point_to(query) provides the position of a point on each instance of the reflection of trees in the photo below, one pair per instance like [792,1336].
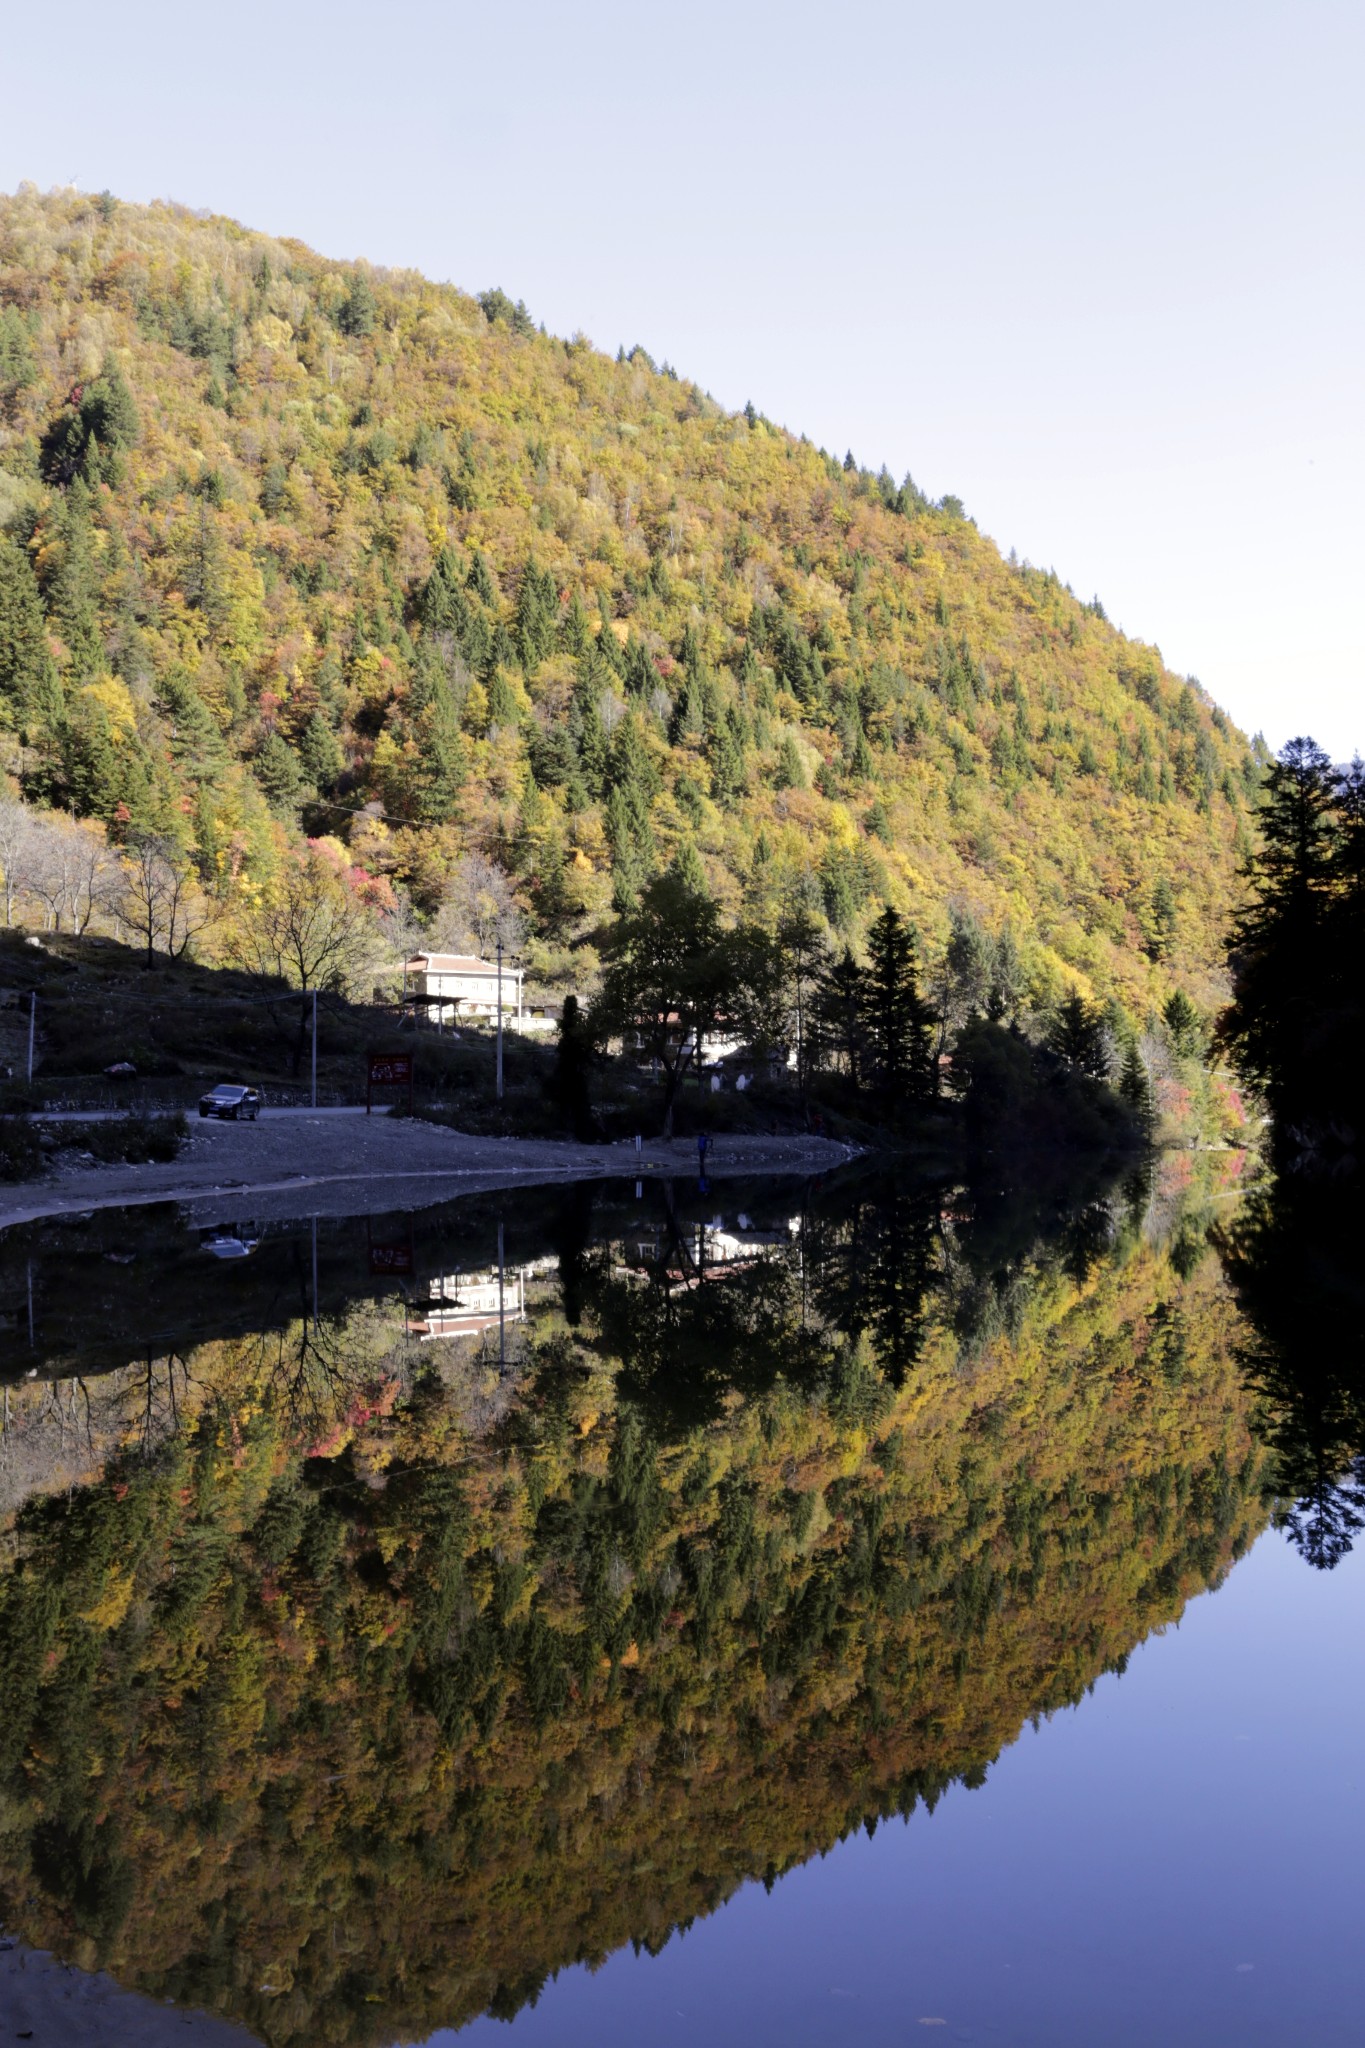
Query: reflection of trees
[52,1431]
[690,1333]
[1294,1261]
[153,1404]
[874,1265]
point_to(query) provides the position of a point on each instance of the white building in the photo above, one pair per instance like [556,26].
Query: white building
[448,986]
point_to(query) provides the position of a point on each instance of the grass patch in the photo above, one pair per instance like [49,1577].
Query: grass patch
[21,1156]
[134,1140]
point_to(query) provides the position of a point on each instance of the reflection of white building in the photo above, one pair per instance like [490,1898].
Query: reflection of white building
[467,1304]
[708,1250]
[449,984]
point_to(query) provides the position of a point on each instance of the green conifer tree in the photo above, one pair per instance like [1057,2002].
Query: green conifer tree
[897,1022]
[1136,1089]
[30,691]
[790,772]
[279,773]
[320,753]
[443,607]
[75,592]
[1077,1036]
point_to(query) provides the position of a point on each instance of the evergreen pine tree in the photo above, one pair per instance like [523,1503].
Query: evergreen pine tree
[196,738]
[791,769]
[577,633]
[1163,921]
[442,757]
[837,1013]
[279,774]
[502,705]
[443,607]
[320,753]
[1183,1026]
[573,1065]
[1281,958]
[896,1020]
[30,692]
[76,588]
[537,615]
[481,580]
[1136,1089]
[1077,1036]
[589,738]
[356,313]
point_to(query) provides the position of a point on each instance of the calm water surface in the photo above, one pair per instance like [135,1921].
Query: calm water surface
[781,1614]
[1177,1860]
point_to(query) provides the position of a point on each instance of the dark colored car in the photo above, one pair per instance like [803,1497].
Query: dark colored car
[241,1104]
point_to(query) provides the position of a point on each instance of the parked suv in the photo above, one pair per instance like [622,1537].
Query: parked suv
[227,1099]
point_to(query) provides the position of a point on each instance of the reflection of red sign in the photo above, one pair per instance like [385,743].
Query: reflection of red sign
[388,1070]
[390,1258]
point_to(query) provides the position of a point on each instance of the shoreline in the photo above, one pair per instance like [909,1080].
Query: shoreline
[227,1165]
[47,2000]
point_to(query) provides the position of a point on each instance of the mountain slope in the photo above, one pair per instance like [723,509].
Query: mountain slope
[321,546]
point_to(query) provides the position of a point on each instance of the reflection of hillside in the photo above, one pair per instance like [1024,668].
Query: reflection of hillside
[361,1721]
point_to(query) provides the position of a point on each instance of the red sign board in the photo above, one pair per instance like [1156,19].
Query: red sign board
[388,1070]
[390,1067]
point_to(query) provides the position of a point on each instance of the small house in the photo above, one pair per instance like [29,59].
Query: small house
[451,986]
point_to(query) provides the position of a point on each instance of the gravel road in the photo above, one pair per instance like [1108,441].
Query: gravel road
[310,1162]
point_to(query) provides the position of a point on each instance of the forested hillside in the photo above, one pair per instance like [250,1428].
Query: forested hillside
[293,547]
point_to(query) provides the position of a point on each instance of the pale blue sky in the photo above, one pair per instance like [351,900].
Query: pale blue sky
[1097,269]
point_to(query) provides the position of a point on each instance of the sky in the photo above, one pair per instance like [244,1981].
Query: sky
[1095,270]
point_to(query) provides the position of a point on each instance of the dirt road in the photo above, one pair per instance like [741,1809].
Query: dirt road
[306,1162]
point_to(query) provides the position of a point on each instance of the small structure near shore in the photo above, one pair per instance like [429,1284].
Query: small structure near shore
[447,985]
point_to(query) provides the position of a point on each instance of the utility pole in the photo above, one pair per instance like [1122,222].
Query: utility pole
[499,1016]
[32,1015]
[315,1048]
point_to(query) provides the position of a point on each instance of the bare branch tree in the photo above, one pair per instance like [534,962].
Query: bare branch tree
[18,848]
[160,898]
[312,931]
[479,908]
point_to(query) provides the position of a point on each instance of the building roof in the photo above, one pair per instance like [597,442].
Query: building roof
[457,963]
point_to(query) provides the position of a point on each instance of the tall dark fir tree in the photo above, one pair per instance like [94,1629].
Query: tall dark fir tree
[1296,1019]
[897,1022]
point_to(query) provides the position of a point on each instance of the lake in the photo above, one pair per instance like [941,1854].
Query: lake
[783,1613]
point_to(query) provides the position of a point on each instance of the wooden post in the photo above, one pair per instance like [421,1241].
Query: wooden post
[500,1017]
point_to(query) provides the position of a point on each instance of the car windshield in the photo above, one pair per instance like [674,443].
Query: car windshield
[228,1094]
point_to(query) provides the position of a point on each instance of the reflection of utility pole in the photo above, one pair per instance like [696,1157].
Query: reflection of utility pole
[32,1015]
[502,1318]
[315,1276]
[315,1074]
[500,1021]
[30,1305]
